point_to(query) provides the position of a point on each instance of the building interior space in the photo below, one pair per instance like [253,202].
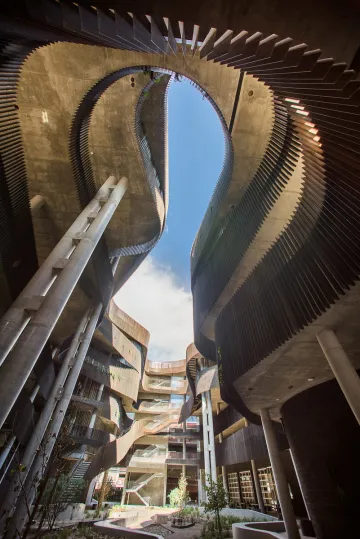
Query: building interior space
[263,401]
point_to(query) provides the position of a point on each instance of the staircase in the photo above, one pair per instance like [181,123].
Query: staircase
[133,487]
[74,490]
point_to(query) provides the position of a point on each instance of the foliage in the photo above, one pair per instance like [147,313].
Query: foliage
[53,500]
[104,493]
[179,496]
[216,500]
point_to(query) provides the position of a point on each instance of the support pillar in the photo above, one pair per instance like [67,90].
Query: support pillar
[200,487]
[28,324]
[342,368]
[124,489]
[257,484]
[279,476]
[20,515]
[165,484]
[211,437]
[90,492]
[206,441]
[33,444]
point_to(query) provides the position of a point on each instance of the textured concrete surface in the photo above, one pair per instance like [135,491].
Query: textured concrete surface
[53,82]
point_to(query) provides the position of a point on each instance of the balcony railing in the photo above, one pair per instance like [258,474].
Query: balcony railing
[178,455]
[159,406]
[165,383]
[83,434]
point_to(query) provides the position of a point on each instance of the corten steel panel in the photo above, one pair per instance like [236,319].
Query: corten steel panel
[324,439]
[225,419]
[244,445]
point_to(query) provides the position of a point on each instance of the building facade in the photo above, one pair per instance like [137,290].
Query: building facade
[274,265]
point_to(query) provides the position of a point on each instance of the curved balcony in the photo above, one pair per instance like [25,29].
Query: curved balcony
[164,385]
[165,368]
[113,452]
[152,407]
[177,457]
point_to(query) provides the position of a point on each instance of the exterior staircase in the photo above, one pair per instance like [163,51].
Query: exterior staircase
[74,490]
[133,487]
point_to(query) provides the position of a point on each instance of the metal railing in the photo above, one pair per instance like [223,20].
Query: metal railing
[85,433]
[178,455]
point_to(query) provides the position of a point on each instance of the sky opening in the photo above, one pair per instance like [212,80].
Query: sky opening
[158,295]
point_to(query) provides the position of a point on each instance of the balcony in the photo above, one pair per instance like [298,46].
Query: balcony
[177,457]
[158,407]
[170,367]
[152,457]
[85,435]
[166,384]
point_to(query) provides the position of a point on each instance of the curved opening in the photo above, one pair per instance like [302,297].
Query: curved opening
[198,147]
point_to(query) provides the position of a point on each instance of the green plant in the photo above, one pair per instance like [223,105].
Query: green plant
[64,533]
[179,496]
[217,499]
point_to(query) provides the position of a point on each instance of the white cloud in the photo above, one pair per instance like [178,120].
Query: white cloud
[153,298]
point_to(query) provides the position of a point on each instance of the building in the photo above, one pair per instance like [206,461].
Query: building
[275,262]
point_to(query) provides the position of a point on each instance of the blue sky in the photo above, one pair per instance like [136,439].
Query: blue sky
[196,152]
[158,295]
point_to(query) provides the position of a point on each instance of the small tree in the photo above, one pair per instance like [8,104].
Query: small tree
[216,500]
[179,496]
[106,488]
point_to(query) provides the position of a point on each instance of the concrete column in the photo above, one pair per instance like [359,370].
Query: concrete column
[33,444]
[282,486]
[90,492]
[36,203]
[20,515]
[25,328]
[342,368]
[200,488]
[165,484]
[211,438]
[258,491]
[124,489]
[223,468]
[206,441]
[5,452]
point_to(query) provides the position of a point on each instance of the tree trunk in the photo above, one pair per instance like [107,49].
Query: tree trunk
[218,523]
[102,492]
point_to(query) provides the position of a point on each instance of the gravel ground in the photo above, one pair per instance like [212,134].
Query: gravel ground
[157,529]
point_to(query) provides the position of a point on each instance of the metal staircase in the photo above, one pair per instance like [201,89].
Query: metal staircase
[74,490]
[133,487]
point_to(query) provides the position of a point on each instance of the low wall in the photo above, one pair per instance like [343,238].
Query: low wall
[108,527]
[258,530]
[243,513]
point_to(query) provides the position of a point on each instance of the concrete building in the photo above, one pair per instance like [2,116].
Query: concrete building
[275,270]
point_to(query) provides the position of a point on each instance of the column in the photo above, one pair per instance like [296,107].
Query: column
[282,486]
[257,486]
[19,517]
[342,368]
[165,484]
[206,441]
[124,489]
[211,438]
[223,468]
[90,491]
[200,489]
[28,324]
